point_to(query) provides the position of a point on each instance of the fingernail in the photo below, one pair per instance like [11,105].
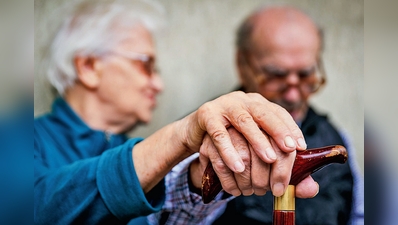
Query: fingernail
[289,142]
[317,191]
[260,192]
[247,192]
[270,153]
[239,167]
[235,192]
[302,143]
[278,189]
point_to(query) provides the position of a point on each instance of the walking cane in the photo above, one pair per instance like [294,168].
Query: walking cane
[306,163]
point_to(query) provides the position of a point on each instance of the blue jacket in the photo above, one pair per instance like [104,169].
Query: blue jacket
[85,176]
[16,138]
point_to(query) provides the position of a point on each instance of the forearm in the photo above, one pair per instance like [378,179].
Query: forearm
[159,153]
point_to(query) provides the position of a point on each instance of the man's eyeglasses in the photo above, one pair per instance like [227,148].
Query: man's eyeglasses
[273,78]
[147,62]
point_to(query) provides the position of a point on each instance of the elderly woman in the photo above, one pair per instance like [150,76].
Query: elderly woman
[86,171]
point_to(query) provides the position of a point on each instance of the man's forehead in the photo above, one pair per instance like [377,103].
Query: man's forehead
[289,60]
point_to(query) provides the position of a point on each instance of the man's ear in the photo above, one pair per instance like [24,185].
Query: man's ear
[87,71]
[240,65]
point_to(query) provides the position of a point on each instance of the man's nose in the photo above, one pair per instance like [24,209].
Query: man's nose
[293,79]
[292,93]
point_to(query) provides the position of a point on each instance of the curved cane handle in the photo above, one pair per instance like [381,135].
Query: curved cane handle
[306,163]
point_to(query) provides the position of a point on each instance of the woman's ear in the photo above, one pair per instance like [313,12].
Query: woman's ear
[87,70]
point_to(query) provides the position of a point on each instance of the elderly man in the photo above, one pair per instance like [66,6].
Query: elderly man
[86,171]
[279,56]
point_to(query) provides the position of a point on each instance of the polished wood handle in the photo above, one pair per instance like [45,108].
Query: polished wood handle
[306,163]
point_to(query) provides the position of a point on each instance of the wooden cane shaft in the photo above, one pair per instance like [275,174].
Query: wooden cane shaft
[283,218]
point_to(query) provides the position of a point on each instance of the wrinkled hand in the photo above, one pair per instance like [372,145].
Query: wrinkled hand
[258,176]
[248,114]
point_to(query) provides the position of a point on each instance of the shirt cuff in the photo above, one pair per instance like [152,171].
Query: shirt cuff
[179,196]
[120,188]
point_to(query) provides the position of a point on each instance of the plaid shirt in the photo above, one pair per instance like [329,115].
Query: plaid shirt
[181,205]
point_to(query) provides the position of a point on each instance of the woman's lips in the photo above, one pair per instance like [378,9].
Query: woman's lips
[153,100]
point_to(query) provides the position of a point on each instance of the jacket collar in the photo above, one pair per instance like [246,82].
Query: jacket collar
[65,115]
[312,117]
[68,118]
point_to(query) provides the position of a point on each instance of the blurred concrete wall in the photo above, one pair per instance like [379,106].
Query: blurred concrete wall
[196,57]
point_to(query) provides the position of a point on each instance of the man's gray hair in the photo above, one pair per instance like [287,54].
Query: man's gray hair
[87,31]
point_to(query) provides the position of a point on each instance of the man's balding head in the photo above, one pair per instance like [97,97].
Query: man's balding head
[279,25]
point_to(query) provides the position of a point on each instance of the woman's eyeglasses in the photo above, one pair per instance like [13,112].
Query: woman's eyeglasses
[147,62]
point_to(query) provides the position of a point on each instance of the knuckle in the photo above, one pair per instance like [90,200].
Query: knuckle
[287,161]
[296,131]
[219,135]
[240,144]
[238,94]
[281,131]
[202,149]
[229,185]
[205,149]
[279,168]
[244,183]
[281,173]
[221,169]
[205,144]
[205,108]
[243,119]
[274,106]
[255,96]
[262,116]
[245,156]
[260,183]
[279,109]
[261,99]
[207,139]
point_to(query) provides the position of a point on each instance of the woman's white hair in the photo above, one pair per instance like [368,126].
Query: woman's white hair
[87,30]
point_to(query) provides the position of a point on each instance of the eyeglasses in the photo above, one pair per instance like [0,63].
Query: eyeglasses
[273,79]
[147,62]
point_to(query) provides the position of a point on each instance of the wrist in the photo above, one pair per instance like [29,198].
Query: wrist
[190,135]
[155,156]
[178,151]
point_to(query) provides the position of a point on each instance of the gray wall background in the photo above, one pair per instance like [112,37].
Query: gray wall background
[196,58]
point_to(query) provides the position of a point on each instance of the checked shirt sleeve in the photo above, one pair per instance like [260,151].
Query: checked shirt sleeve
[181,205]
